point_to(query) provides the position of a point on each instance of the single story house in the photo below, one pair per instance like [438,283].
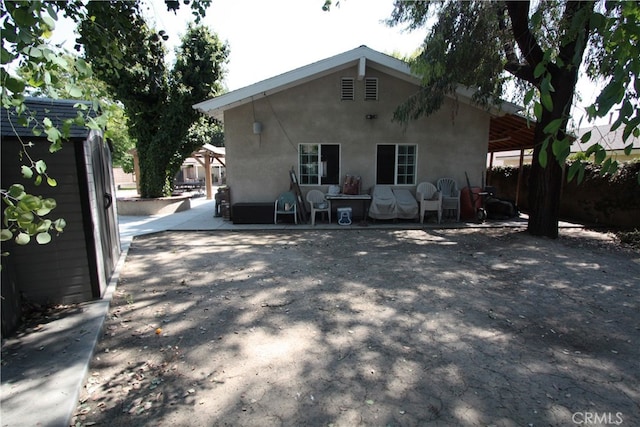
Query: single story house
[333,118]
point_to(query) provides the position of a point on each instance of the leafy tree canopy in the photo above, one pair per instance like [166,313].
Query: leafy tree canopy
[112,112]
[542,46]
[46,69]
[158,101]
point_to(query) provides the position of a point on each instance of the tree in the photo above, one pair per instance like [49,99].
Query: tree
[158,102]
[26,28]
[484,45]
[116,129]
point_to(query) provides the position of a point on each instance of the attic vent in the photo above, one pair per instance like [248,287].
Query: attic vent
[347,87]
[371,89]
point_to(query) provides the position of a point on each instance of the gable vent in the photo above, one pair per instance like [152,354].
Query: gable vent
[371,89]
[347,87]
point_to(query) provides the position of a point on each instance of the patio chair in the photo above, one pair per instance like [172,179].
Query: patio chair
[450,195]
[406,204]
[383,203]
[318,204]
[285,204]
[430,199]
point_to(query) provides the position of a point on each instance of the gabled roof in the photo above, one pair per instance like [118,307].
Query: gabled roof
[57,110]
[361,57]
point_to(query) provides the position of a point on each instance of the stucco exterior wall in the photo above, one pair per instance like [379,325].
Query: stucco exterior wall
[450,142]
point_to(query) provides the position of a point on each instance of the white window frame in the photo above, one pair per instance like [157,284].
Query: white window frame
[316,165]
[396,164]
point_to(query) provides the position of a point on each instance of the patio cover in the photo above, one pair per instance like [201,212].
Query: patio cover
[510,132]
[205,156]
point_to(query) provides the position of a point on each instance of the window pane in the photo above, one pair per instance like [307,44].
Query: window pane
[330,158]
[385,164]
[308,164]
[406,170]
[319,164]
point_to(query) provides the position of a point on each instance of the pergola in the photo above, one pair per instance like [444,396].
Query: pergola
[205,156]
[511,132]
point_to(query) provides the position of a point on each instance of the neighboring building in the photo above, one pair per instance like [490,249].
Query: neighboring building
[77,265]
[610,141]
[123,180]
[193,168]
[333,118]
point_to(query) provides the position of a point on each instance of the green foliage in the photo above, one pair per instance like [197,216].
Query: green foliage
[464,34]
[615,55]
[118,134]
[542,45]
[112,118]
[26,27]
[158,101]
[205,130]
[24,217]
[31,65]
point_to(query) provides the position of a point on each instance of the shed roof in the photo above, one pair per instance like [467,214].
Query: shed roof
[57,110]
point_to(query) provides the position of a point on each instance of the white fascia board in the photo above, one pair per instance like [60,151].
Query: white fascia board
[213,149]
[362,67]
[465,94]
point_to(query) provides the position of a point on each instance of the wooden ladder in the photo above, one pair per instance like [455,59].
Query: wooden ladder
[302,207]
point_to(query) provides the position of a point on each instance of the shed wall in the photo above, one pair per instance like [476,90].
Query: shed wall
[57,272]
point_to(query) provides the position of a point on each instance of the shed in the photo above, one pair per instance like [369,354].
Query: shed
[76,265]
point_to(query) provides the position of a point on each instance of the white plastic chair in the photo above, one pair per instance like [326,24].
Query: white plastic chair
[450,195]
[318,204]
[430,200]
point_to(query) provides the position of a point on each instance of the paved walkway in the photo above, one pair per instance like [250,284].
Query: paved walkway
[46,370]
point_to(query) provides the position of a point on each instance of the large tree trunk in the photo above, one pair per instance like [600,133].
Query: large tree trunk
[545,183]
[544,191]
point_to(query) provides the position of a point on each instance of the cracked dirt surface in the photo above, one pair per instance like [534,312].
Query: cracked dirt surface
[369,327]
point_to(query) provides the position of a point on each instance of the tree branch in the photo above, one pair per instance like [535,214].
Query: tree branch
[567,51]
[521,71]
[533,54]
[514,66]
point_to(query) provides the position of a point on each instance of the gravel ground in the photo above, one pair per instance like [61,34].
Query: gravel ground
[460,327]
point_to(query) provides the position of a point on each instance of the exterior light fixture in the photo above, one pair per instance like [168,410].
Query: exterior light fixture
[257,128]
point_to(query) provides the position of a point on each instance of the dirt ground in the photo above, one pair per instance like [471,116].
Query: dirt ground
[462,327]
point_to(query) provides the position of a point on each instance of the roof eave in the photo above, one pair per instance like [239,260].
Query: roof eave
[358,57]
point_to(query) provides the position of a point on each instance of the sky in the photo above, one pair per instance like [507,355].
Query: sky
[270,37]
